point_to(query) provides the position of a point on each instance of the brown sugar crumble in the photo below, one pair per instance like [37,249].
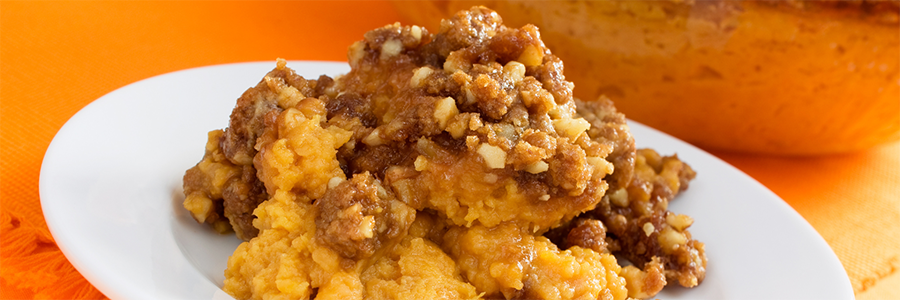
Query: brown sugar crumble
[448,165]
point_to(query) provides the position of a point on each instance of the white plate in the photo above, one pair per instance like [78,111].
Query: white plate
[110,189]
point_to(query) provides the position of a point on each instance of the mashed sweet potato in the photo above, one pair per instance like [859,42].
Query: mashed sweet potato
[442,166]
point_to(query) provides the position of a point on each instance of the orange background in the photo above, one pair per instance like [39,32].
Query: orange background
[56,57]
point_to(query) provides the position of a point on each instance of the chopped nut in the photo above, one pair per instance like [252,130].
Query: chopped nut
[534,97]
[555,112]
[678,221]
[334,181]
[455,62]
[390,48]
[288,96]
[619,197]
[571,128]
[352,210]
[382,194]
[350,145]
[537,167]
[506,131]
[544,197]
[421,163]
[531,56]
[445,109]
[419,76]
[528,98]
[490,178]
[200,206]
[475,122]
[416,32]
[648,228]
[373,139]
[601,166]
[494,157]
[515,71]
[669,239]
[366,226]
[470,97]
[458,124]
[472,142]
[539,101]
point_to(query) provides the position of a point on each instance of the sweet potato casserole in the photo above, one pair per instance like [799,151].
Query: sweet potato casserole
[454,165]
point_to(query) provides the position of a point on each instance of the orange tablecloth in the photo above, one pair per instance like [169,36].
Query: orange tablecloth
[56,57]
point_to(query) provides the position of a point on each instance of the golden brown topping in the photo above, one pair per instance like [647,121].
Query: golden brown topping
[642,228]
[587,233]
[358,215]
